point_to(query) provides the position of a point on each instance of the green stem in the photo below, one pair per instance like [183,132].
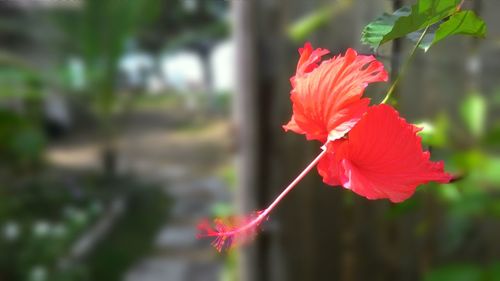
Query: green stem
[405,66]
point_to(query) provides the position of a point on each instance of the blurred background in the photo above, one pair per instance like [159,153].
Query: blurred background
[124,123]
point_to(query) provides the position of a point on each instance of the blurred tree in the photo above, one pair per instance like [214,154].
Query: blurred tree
[21,93]
[195,25]
[99,32]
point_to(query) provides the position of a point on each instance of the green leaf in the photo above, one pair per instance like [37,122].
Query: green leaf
[303,27]
[428,37]
[473,111]
[465,23]
[375,31]
[401,23]
[423,14]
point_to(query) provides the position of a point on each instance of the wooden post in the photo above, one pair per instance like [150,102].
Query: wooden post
[246,122]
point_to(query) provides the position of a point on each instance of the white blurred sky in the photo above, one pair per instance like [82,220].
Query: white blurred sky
[182,70]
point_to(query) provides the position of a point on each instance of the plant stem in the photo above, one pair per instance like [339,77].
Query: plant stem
[405,67]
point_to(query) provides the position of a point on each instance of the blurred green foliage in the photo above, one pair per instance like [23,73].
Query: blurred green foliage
[22,142]
[459,272]
[41,218]
[145,215]
[473,196]
[19,79]
[303,27]
[436,133]
[44,216]
[474,112]
[99,34]
[465,272]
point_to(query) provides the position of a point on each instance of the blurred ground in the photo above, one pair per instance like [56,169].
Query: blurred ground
[184,156]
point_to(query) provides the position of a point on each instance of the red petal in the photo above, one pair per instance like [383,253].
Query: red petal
[327,98]
[328,170]
[381,158]
[309,58]
[292,126]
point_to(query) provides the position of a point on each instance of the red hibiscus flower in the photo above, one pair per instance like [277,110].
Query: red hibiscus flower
[381,157]
[326,98]
[369,150]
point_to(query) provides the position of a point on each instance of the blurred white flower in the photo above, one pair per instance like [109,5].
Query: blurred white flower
[11,231]
[38,273]
[190,5]
[41,228]
[76,215]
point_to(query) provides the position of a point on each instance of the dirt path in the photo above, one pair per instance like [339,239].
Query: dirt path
[188,164]
[187,161]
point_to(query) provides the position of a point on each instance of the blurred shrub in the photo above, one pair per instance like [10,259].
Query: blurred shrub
[21,141]
[459,272]
[465,272]
[474,112]
[133,236]
[469,206]
[41,218]
[301,29]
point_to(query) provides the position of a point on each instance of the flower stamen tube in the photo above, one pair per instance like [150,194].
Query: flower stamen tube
[229,233]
